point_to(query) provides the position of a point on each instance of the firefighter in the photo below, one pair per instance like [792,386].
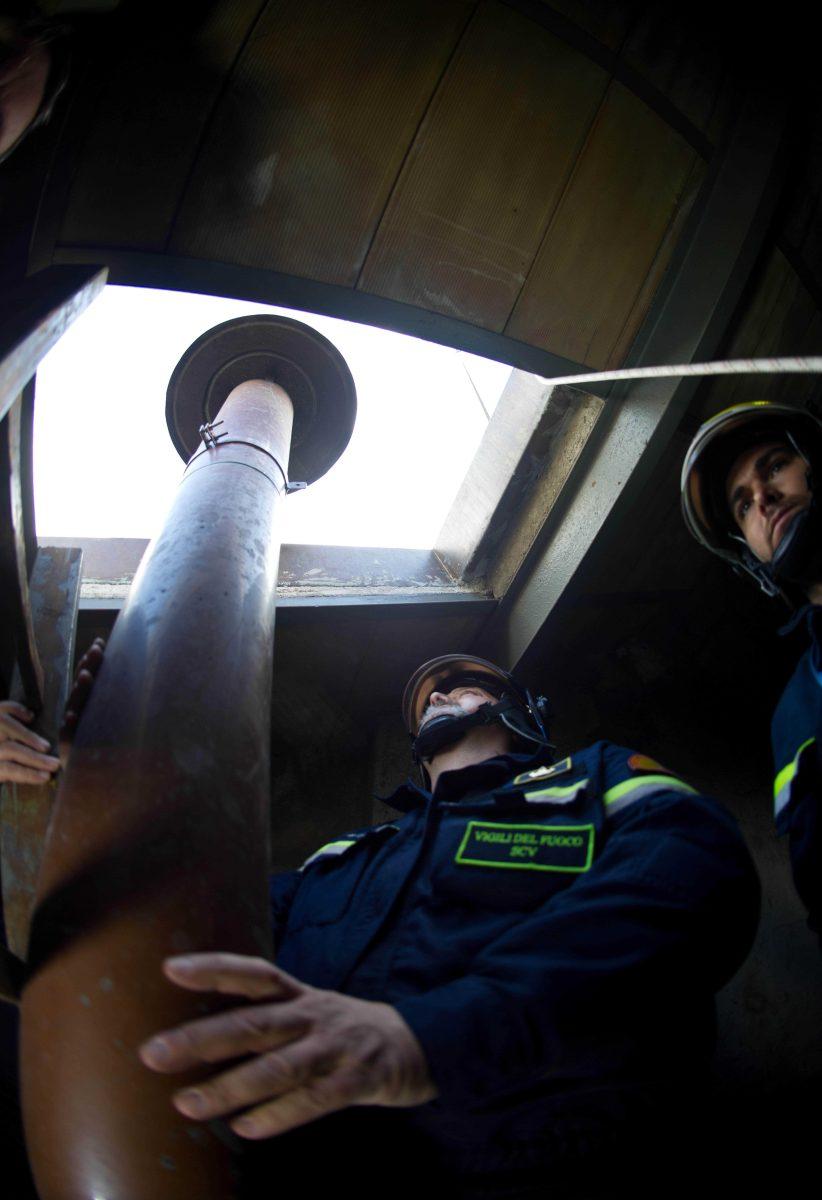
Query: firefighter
[748,495]
[509,986]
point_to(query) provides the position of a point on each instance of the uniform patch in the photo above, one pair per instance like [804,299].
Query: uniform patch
[641,762]
[558,768]
[556,794]
[527,847]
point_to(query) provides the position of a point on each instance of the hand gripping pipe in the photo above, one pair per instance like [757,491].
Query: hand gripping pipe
[159,840]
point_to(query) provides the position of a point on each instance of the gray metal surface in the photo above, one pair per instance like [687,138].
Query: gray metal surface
[34,314]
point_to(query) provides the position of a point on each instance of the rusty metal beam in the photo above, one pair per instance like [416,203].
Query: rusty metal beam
[15,601]
[34,315]
[54,592]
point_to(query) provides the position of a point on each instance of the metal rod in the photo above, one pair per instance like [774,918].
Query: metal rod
[796,365]
[159,841]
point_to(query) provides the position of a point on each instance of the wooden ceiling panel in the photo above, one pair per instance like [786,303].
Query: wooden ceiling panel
[143,129]
[690,189]
[309,137]
[486,171]
[587,291]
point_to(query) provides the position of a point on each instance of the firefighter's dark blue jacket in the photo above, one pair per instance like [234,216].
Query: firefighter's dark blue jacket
[796,734]
[546,932]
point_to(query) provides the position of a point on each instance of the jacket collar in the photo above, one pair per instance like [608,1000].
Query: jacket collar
[807,613]
[463,784]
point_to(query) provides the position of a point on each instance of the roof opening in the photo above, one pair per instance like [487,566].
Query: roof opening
[105,466]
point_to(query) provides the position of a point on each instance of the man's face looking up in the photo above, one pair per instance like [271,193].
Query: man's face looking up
[459,701]
[767,487]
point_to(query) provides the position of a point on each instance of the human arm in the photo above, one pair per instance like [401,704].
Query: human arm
[23,760]
[667,910]
[312,1051]
[24,756]
[282,888]
[804,823]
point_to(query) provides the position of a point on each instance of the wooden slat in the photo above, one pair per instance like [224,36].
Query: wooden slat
[306,145]
[486,171]
[24,809]
[144,125]
[586,294]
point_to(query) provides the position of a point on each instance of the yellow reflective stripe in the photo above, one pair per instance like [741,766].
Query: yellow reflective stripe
[783,781]
[330,848]
[633,789]
[557,768]
[556,793]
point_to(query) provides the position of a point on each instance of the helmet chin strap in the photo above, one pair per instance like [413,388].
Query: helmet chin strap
[439,732]
[797,561]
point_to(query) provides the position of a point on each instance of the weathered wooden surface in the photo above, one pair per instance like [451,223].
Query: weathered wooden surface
[521,168]
[319,572]
[25,808]
[615,228]
[308,139]
[470,208]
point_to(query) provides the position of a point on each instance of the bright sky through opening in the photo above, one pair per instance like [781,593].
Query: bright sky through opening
[104,465]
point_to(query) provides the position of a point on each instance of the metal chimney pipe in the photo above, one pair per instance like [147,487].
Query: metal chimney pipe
[159,839]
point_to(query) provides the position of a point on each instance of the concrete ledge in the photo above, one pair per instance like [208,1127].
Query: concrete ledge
[532,442]
[309,576]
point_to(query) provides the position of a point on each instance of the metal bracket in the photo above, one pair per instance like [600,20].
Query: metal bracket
[210,440]
[208,435]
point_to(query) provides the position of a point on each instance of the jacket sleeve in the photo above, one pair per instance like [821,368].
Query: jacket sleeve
[282,888]
[669,907]
[805,845]
[797,789]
